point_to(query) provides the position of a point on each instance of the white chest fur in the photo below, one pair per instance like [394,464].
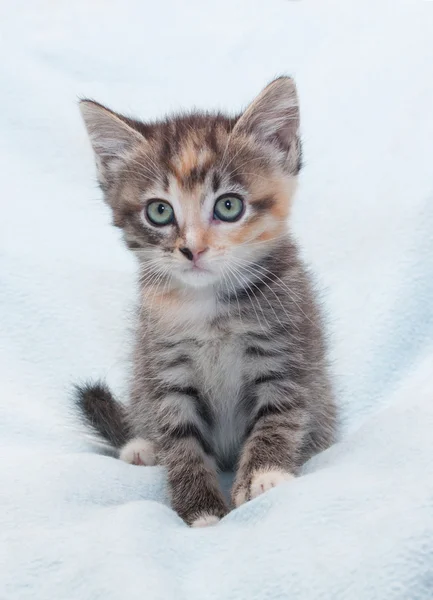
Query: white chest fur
[218,363]
[220,368]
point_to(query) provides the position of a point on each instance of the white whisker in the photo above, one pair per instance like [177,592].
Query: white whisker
[279,282]
[247,287]
[254,273]
[236,297]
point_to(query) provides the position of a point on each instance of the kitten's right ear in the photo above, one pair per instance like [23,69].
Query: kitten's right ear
[112,139]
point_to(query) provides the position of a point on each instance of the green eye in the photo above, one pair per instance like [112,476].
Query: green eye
[160,212]
[228,208]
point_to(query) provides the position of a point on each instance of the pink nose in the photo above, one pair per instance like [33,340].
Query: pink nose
[192,255]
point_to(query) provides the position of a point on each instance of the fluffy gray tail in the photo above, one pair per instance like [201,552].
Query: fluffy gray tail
[102,412]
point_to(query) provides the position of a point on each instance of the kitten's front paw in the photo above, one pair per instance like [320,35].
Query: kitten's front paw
[266,479]
[205,520]
[260,481]
[139,452]
[204,514]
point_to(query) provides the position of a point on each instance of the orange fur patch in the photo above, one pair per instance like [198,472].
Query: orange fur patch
[192,156]
[281,191]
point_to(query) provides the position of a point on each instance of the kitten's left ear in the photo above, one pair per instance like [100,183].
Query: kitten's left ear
[273,118]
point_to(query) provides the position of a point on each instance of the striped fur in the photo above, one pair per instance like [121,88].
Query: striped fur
[230,362]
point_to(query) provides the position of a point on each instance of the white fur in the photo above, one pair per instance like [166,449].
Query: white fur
[261,481]
[175,193]
[139,452]
[266,479]
[220,369]
[205,521]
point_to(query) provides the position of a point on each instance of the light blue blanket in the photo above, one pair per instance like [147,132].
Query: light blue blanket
[358,525]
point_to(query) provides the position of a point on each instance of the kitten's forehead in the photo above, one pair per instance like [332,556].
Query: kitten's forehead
[188,164]
[191,147]
[191,165]
[193,150]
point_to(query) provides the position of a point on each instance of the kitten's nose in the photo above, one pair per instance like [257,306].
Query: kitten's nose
[190,255]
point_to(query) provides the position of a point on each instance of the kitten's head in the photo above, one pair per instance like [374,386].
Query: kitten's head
[201,197]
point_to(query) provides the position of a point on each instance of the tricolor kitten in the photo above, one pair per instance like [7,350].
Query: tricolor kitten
[230,364]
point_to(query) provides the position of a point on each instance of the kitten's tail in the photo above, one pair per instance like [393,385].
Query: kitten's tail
[105,415]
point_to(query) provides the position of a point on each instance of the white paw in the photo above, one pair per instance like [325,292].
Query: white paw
[139,452]
[205,521]
[265,479]
[262,480]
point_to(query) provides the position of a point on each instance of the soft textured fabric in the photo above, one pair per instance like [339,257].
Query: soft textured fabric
[80,525]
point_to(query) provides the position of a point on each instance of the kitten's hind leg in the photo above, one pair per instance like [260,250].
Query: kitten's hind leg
[139,452]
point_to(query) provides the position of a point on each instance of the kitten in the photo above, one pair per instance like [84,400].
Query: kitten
[230,364]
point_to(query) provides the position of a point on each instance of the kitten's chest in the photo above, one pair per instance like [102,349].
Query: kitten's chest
[219,367]
[216,357]
[220,375]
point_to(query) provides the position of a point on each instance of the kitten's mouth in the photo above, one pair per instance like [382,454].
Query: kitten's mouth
[200,269]
[195,268]
[197,276]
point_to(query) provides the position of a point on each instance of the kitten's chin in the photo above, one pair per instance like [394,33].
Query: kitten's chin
[196,279]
